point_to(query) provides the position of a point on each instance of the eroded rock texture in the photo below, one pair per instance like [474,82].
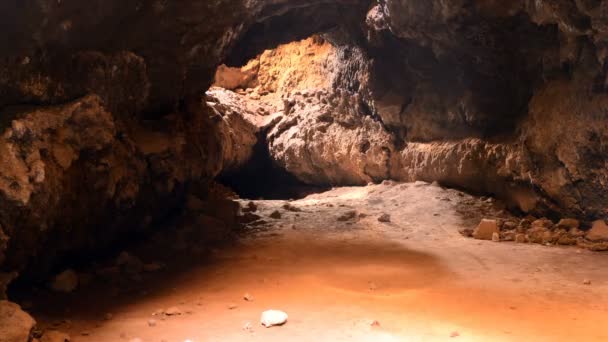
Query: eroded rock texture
[104,123]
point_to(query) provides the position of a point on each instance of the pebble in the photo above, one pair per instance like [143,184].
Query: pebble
[495,237]
[273,318]
[248,297]
[151,322]
[587,282]
[173,311]
[454,334]
[248,327]
[232,306]
[384,218]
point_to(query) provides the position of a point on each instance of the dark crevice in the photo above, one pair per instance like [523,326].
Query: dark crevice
[262,178]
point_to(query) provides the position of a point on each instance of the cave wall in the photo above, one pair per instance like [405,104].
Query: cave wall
[103,121]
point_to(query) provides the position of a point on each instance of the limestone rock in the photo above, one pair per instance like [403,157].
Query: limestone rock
[598,232]
[486,229]
[15,324]
[273,318]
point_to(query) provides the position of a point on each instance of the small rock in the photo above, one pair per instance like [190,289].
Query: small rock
[598,232]
[251,208]
[466,231]
[568,223]
[385,218]
[273,318]
[232,306]
[375,324]
[347,216]
[542,223]
[509,225]
[66,281]
[248,297]
[290,207]
[151,322]
[275,215]
[586,282]
[495,237]
[248,327]
[520,238]
[486,229]
[454,334]
[55,336]
[173,311]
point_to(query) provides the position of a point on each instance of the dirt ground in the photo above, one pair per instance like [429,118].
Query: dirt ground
[416,276]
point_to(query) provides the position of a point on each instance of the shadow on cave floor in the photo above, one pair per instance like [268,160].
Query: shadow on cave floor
[415,276]
[261,178]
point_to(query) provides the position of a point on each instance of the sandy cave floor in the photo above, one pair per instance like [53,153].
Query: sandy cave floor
[416,276]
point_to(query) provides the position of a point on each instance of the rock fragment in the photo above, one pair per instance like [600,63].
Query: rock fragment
[272,318]
[598,232]
[347,216]
[290,207]
[275,215]
[568,223]
[384,218]
[66,281]
[486,229]
[55,336]
[173,311]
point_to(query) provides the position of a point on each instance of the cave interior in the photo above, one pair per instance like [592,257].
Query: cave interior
[270,170]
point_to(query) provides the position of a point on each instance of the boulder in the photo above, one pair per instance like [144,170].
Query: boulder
[15,324]
[598,232]
[486,229]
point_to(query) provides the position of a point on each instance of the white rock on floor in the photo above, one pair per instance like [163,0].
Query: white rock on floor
[273,318]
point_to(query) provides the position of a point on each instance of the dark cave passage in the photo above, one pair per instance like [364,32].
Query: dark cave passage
[261,178]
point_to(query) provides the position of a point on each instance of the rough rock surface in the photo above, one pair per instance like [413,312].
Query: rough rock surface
[15,324]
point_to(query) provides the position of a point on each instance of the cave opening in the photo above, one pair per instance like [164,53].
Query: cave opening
[265,93]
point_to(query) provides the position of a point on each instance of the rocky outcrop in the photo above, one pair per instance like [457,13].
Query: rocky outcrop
[15,324]
[75,177]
